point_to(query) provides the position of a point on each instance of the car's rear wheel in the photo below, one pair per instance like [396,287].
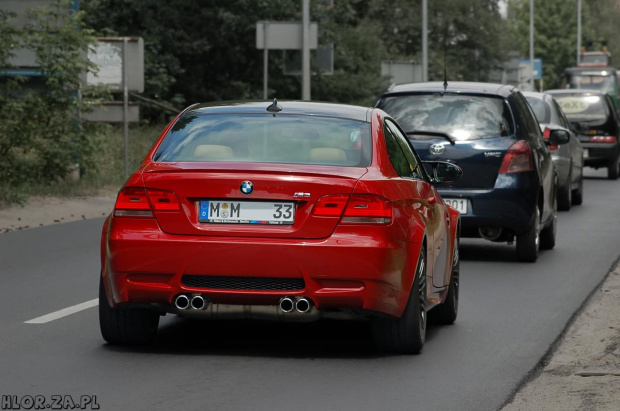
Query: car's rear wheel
[547,235]
[406,335]
[528,243]
[564,195]
[132,326]
[577,194]
[612,169]
[447,312]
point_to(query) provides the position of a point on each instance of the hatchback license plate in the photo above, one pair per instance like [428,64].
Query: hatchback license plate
[246,212]
[458,203]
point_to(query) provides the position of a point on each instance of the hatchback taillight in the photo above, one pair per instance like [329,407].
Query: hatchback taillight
[602,139]
[139,202]
[357,208]
[517,159]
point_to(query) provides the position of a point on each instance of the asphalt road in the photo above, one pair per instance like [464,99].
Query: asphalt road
[511,313]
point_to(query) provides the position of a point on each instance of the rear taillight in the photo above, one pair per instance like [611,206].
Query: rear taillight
[330,206]
[602,139]
[546,136]
[135,202]
[517,159]
[162,200]
[357,208]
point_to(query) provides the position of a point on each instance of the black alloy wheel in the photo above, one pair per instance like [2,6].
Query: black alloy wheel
[131,326]
[405,335]
[528,243]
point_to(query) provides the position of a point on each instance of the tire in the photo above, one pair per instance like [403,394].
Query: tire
[528,243]
[612,170]
[547,235]
[447,312]
[134,326]
[405,335]
[577,194]
[564,195]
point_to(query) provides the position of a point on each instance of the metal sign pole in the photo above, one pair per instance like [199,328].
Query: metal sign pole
[265,61]
[424,40]
[125,107]
[305,53]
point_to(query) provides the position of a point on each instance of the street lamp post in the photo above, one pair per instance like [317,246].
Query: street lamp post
[578,31]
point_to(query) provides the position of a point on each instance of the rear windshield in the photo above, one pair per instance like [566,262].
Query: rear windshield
[582,108]
[461,116]
[540,109]
[264,138]
[591,82]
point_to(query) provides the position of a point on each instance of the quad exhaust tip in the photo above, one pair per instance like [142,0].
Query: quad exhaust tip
[303,305]
[195,302]
[198,302]
[181,302]
[287,304]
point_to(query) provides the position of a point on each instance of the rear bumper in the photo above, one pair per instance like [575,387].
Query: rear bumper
[509,205]
[348,270]
[600,155]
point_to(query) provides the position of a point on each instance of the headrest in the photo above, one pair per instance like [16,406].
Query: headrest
[213,152]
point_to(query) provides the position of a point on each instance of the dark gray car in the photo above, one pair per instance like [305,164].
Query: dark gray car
[568,158]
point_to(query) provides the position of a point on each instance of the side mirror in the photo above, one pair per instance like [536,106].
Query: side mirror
[442,171]
[558,137]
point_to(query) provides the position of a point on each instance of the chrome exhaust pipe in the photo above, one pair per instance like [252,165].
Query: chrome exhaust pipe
[303,305]
[181,302]
[287,304]
[198,302]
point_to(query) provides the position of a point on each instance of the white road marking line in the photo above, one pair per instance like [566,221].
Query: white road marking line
[64,312]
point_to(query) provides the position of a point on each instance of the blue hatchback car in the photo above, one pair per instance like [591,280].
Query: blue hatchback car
[509,183]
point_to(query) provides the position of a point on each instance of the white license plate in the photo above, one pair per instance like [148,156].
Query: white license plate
[458,203]
[246,212]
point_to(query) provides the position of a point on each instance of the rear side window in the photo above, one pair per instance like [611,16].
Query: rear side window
[264,138]
[464,117]
[583,108]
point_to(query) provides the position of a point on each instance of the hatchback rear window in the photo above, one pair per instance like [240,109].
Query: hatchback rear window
[464,117]
[582,108]
[540,109]
[264,138]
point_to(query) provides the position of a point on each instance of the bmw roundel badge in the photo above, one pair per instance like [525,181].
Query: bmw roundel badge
[247,187]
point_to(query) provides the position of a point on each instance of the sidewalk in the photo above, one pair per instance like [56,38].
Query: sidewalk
[581,373]
[40,211]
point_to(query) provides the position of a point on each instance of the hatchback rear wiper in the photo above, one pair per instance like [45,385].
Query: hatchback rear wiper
[432,133]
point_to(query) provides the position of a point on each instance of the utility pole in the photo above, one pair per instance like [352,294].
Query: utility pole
[305,55]
[578,31]
[532,43]
[424,40]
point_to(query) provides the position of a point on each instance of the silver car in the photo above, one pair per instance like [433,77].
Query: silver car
[568,158]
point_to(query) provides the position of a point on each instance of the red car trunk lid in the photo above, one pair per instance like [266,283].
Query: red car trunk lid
[298,185]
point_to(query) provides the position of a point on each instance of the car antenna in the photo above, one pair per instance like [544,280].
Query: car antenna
[274,107]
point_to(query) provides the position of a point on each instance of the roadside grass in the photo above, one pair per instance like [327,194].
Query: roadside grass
[106,175]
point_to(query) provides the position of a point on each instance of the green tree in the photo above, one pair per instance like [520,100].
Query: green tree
[41,134]
[555,34]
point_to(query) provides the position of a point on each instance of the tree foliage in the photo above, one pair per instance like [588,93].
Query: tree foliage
[41,134]
[205,51]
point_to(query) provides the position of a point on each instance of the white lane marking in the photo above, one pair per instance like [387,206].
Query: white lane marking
[64,312]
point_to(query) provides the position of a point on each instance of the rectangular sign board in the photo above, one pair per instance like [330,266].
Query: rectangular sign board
[108,56]
[282,35]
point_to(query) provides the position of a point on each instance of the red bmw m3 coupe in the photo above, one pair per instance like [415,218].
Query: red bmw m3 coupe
[288,211]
